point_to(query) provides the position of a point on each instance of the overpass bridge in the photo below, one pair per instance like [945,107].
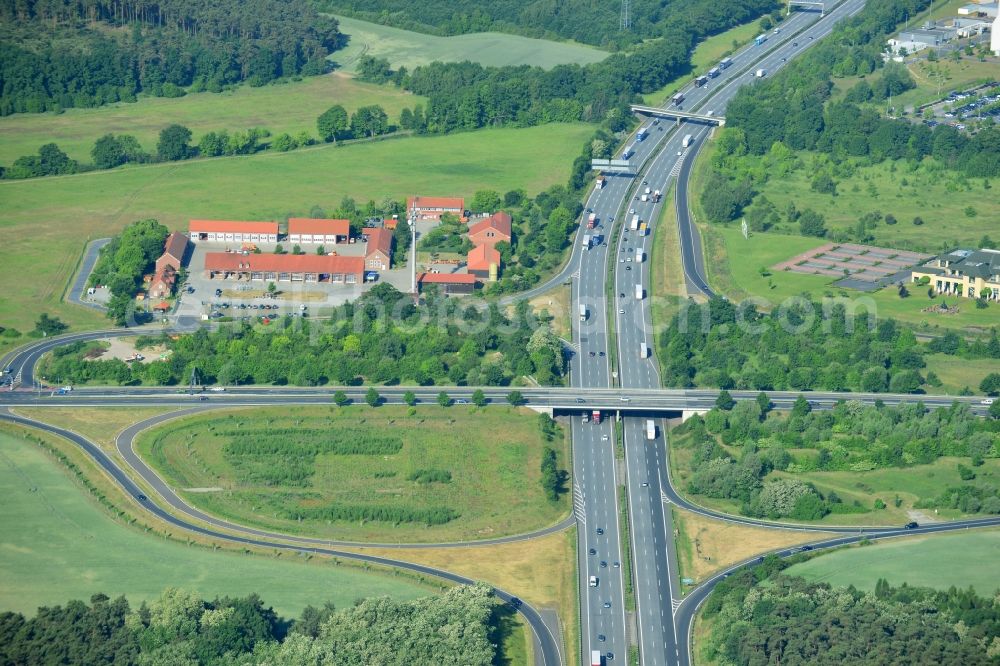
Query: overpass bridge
[678,115]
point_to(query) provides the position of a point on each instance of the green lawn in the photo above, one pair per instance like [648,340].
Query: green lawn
[493,457]
[956,373]
[58,545]
[934,79]
[742,278]
[938,561]
[285,107]
[45,222]
[411,49]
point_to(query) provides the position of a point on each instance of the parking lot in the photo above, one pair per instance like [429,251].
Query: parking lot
[201,297]
[962,107]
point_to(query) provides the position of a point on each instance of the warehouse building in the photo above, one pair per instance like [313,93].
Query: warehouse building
[311,230]
[229,231]
[306,268]
[432,208]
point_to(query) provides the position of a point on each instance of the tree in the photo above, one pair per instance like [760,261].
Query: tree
[801,407]
[725,401]
[515,398]
[764,403]
[173,143]
[485,201]
[47,325]
[812,223]
[991,384]
[340,398]
[332,122]
[479,398]
[372,397]
[108,152]
[443,399]
[369,120]
[410,398]
[284,142]
[994,410]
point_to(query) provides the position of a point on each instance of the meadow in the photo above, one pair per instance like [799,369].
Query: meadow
[412,49]
[481,468]
[59,545]
[46,222]
[939,561]
[289,106]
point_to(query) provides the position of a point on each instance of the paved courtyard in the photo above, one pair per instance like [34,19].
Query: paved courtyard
[862,267]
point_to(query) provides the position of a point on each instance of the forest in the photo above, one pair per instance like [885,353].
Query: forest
[382,338]
[735,446]
[792,111]
[803,345]
[58,55]
[760,616]
[457,627]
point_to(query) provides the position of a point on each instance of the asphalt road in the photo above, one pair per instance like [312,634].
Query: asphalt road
[548,655]
[86,267]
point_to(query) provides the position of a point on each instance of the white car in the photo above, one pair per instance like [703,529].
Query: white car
[987,401]
[217,389]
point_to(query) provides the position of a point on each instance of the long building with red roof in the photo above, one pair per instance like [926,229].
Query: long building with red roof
[432,208]
[305,230]
[284,267]
[232,231]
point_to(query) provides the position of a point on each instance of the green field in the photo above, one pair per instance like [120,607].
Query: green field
[493,457]
[58,545]
[283,107]
[938,561]
[957,373]
[742,278]
[45,222]
[411,49]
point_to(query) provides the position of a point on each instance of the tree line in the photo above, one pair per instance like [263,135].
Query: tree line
[735,447]
[796,110]
[59,55]
[801,346]
[122,263]
[460,344]
[761,616]
[179,627]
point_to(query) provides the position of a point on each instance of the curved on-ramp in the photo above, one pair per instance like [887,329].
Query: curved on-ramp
[548,655]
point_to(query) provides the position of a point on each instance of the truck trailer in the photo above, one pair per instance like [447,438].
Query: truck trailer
[760,39]
[677,99]
[639,255]
[656,196]
[586,241]
[583,312]
[596,415]
[760,73]
[714,72]
[688,140]
[643,227]
[643,351]
[639,292]
[635,223]
[650,429]
[642,133]
[595,658]
[725,62]
[700,81]
[592,220]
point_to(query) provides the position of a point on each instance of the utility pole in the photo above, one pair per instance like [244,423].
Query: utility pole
[625,20]
[412,221]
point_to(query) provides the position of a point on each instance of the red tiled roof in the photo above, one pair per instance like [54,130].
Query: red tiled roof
[162,305]
[456,203]
[390,223]
[231,226]
[481,257]
[499,221]
[446,278]
[379,239]
[280,263]
[175,246]
[314,226]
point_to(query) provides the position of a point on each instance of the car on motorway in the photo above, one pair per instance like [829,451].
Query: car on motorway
[580,400]
[806,548]
[593,551]
[461,401]
[645,484]
[601,637]
[910,526]
[141,498]
[610,656]
[986,401]
[621,311]
[217,389]
[604,565]
[617,565]
[621,295]
[795,43]
[628,268]
[600,531]
[607,604]
[203,397]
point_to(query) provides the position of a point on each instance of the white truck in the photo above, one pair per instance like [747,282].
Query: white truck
[644,198]
[595,658]
[639,292]
[760,73]
[639,255]
[714,72]
[643,351]
[688,140]
[642,133]
[635,223]
[725,62]
[583,312]
[656,196]
[677,99]
[650,429]
[628,152]
[586,241]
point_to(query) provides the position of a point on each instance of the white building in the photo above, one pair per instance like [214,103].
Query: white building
[995,37]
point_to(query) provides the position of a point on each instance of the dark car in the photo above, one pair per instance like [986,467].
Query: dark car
[142,498]
[805,548]
[910,526]
[203,397]
[580,400]
[604,565]
[593,551]
[601,637]
[600,530]
[610,656]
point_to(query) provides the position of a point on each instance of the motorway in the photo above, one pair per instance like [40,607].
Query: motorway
[619,381]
